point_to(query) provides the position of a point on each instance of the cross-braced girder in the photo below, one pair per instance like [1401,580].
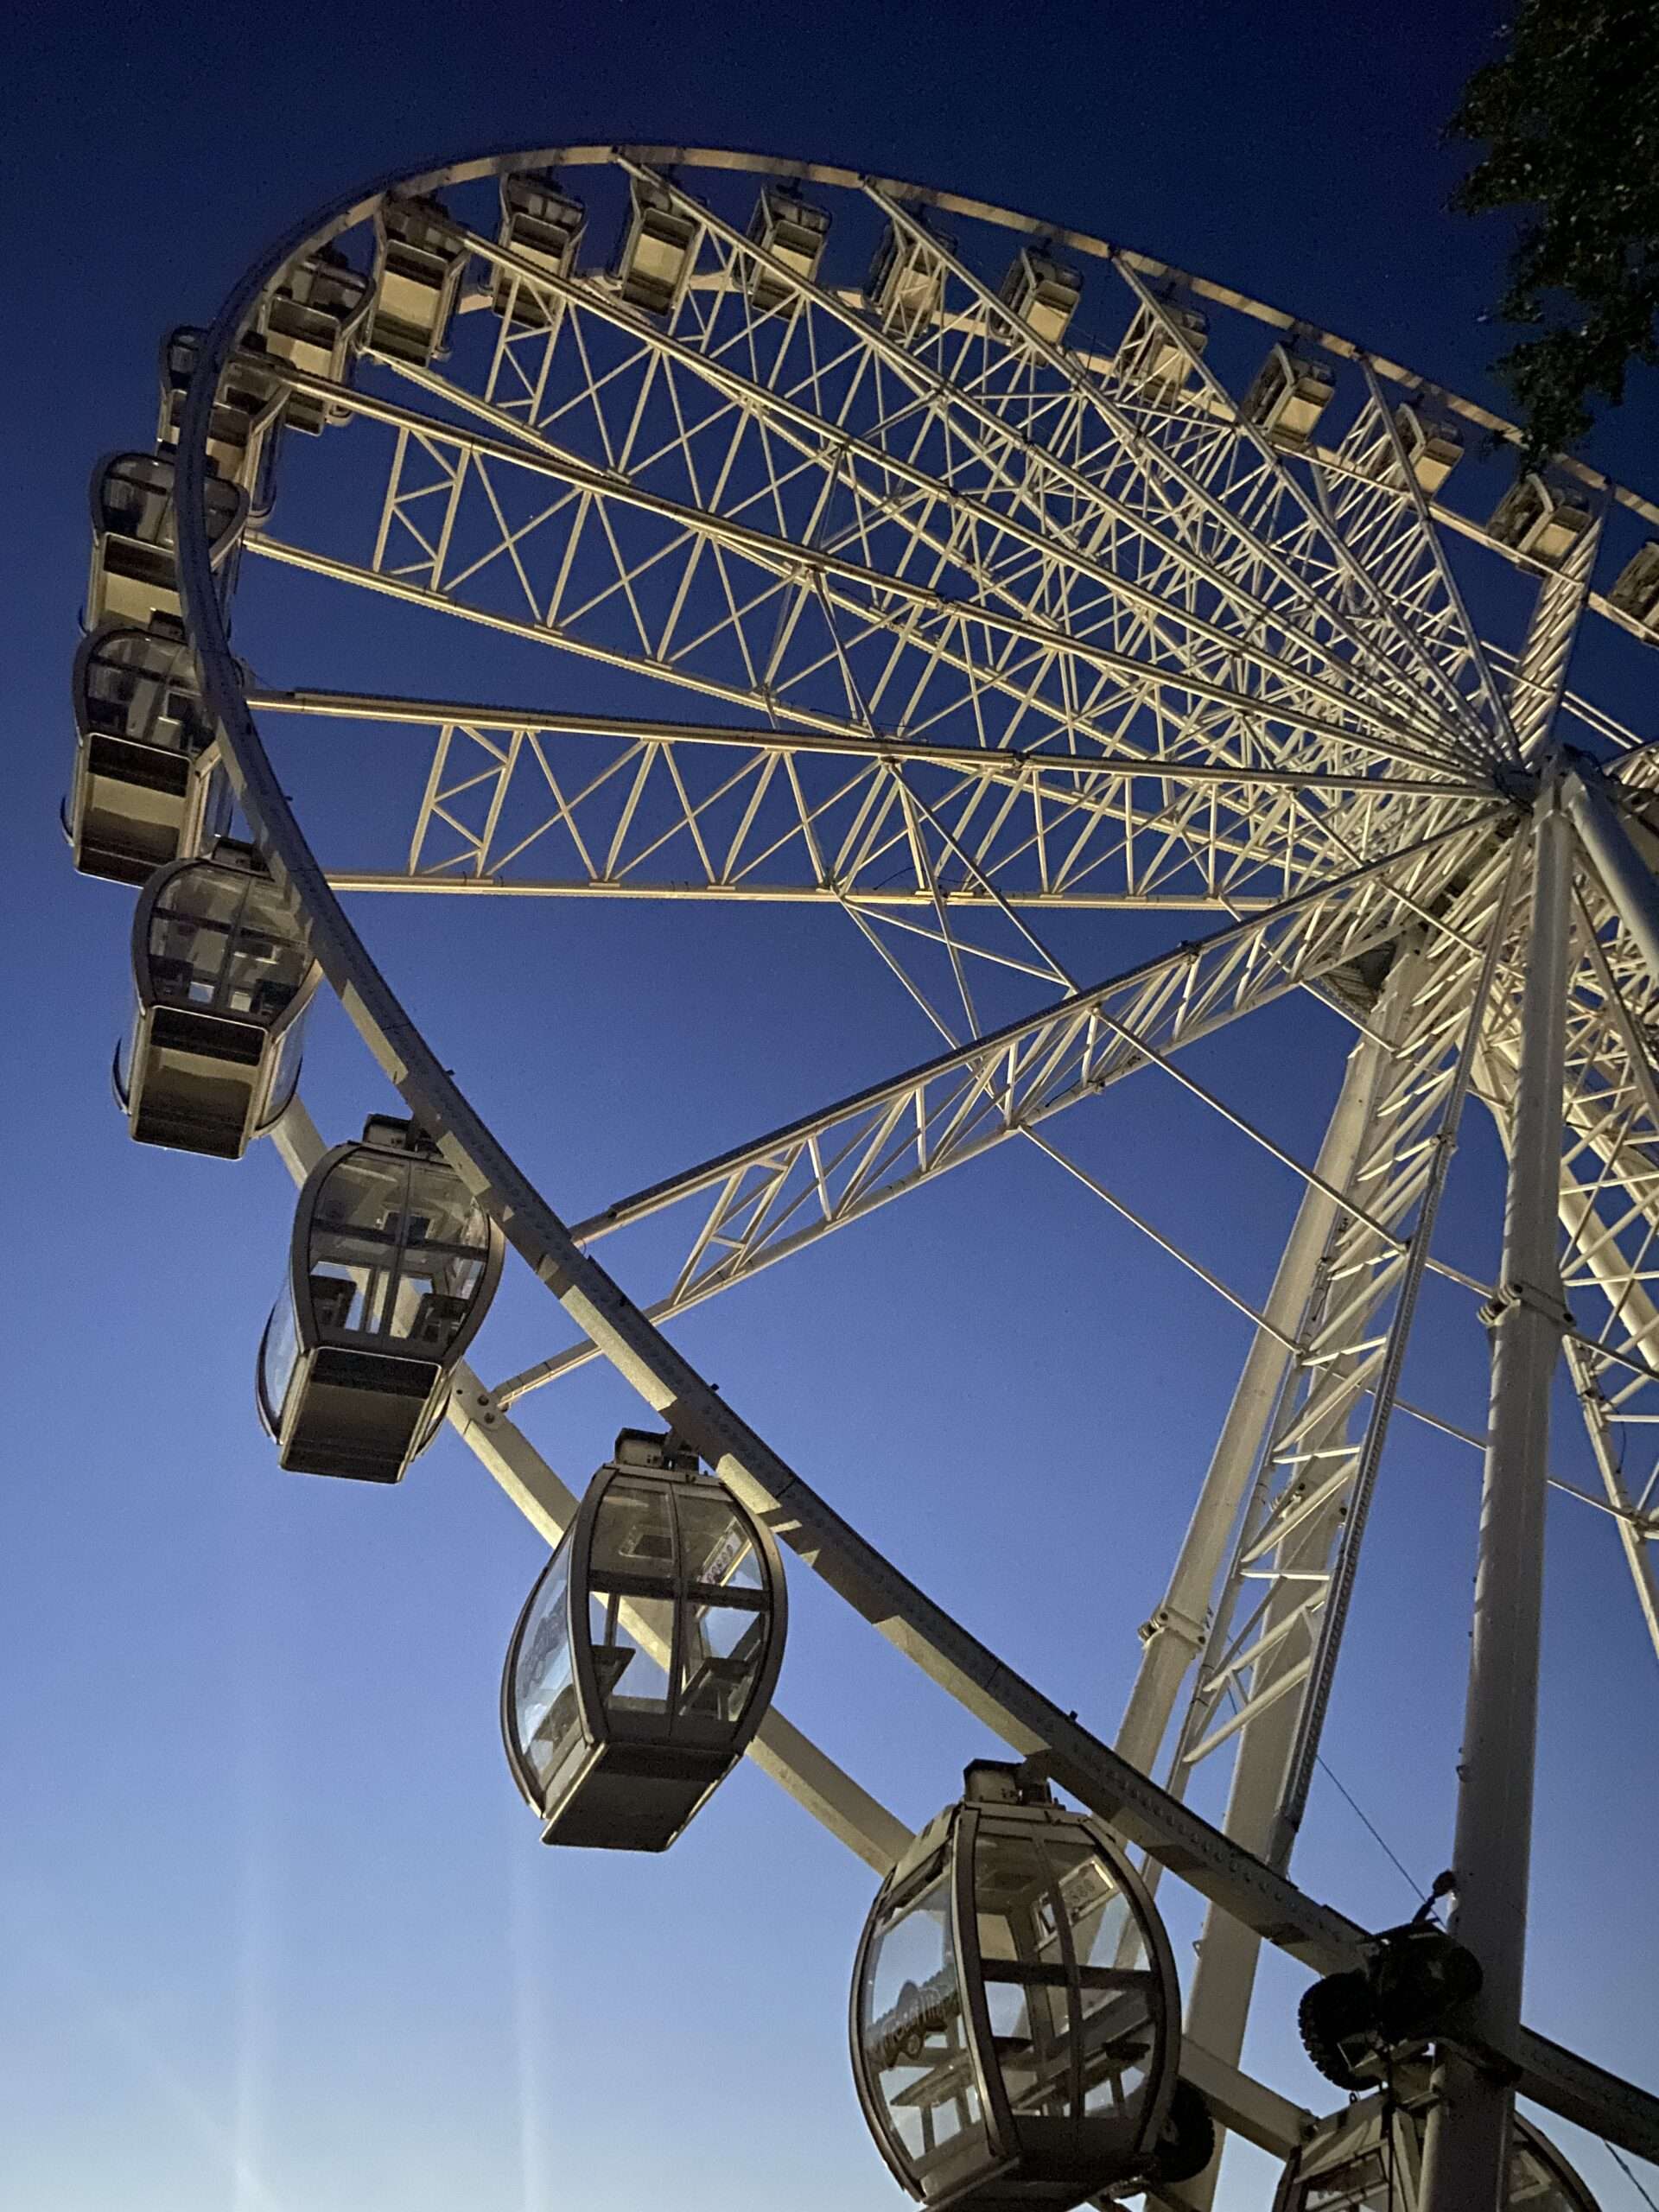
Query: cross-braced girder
[1271,1622]
[789,1188]
[692,524]
[994,625]
[604,806]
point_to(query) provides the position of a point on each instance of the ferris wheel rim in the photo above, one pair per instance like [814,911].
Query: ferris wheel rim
[334,216]
[1260,1897]
[340,213]
[226,685]
[352,207]
[662,1374]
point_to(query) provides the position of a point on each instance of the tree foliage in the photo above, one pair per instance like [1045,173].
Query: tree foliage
[1569,116]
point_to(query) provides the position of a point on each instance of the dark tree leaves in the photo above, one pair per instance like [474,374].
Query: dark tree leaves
[1570,121]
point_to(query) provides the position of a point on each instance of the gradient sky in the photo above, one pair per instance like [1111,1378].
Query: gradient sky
[276,1933]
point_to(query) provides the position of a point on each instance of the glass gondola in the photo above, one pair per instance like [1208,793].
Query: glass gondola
[1290,393]
[418,267]
[1368,2157]
[392,1268]
[224,976]
[143,793]
[135,567]
[646,1653]
[544,226]
[316,320]
[1044,293]
[1543,515]
[1015,2018]
[659,246]
[905,285]
[793,232]
[1155,361]
[241,425]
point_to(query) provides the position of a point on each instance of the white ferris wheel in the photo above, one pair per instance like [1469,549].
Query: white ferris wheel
[962,572]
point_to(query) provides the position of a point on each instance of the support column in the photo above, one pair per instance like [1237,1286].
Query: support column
[1465,2155]
[1224,1980]
[1175,1634]
[1625,876]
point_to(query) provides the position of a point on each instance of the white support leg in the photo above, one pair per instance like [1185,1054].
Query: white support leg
[1175,1634]
[1466,2150]
[1626,877]
[1278,1619]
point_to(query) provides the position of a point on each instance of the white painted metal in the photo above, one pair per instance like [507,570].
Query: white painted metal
[1264,1679]
[838,1804]
[790,1187]
[1540,678]
[1466,2154]
[993,625]
[1177,1632]
[1625,876]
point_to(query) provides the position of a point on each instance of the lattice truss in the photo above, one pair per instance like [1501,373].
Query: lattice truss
[1272,1622]
[1001,583]
[1610,1213]
[763,1201]
[979,627]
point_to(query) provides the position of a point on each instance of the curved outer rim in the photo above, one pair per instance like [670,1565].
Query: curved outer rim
[663,1377]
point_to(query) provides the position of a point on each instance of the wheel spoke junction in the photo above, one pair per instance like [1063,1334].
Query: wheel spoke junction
[993,608]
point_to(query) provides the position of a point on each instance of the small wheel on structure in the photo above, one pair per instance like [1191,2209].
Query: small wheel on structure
[1188,2142]
[1418,1975]
[1336,2017]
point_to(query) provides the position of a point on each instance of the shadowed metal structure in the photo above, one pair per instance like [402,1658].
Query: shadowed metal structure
[1368,2157]
[952,571]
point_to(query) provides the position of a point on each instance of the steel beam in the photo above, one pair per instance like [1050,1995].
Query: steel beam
[667,1382]
[1303,1531]
[1175,1634]
[1624,875]
[779,1749]
[1538,680]
[1465,2155]
[776,1195]
[1003,764]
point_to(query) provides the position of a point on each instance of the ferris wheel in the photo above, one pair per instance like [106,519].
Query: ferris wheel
[966,574]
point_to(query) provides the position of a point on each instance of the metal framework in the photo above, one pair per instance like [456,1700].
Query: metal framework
[982,614]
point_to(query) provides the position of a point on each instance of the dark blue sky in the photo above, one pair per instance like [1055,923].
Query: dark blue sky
[275,1934]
